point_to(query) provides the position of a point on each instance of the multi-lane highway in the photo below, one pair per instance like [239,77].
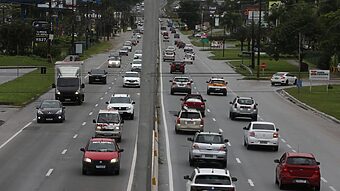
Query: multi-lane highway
[300,130]
[46,156]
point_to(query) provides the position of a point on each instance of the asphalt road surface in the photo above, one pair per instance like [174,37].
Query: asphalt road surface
[300,130]
[46,156]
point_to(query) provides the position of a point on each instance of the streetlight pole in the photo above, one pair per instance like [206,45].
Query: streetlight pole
[50,31]
[73,23]
[252,40]
[259,42]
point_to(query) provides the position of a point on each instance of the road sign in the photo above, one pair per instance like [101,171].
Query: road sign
[319,75]
[263,65]
[204,40]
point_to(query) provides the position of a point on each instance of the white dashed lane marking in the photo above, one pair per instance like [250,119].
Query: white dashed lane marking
[101,98]
[238,160]
[208,110]
[109,87]
[332,188]
[84,123]
[283,140]
[251,183]
[288,145]
[96,105]
[213,119]
[105,93]
[64,151]
[49,172]
[323,180]
[229,144]
[75,136]
[91,113]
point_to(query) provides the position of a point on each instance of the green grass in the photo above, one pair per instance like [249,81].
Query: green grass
[186,32]
[319,98]
[103,46]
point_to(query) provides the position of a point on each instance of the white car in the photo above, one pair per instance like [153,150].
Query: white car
[188,59]
[114,62]
[188,48]
[128,44]
[131,79]
[136,65]
[168,55]
[123,103]
[124,51]
[259,133]
[283,78]
[138,54]
[191,54]
[170,48]
[210,179]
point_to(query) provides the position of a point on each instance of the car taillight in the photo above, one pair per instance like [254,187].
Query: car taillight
[282,78]
[275,135]
[252,134]
[195,146]
[173,83]
[202,105]
[178,121]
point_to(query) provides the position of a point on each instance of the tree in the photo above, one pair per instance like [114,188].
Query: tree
[189,12]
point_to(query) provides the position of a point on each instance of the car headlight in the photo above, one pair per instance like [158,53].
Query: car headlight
[76,93]
[40,112]
[128,108]
[87,160]
[98,127]
[59,111]
[58,92]
[114,160]
[117,128]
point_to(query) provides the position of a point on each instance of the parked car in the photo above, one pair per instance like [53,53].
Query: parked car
[50,110]
[97,75]
[204,179]
[194,101]
[189,120]
[177,66]
[297,169]
[131,79]
[109,124]
[209,147]
[101,154]
[259,133]
[217,85]
[283,78]
[114,62]
[181,84]
[123,103]
[243,107]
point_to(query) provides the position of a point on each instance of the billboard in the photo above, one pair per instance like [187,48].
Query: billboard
[23,1]
[319,75]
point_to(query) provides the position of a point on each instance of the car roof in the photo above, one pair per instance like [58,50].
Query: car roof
[262,122]
[120,95]
[293,154]
[244,98]
[130,72]
[102,139]
[177,77]
[194,99]
[214,171]
[281,72]
[108,111]
[208,133]
[215,78]
[190,110]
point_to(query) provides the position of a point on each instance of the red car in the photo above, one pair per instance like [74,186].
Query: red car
[177,66]
[101,154]
[297,169]
[194,101]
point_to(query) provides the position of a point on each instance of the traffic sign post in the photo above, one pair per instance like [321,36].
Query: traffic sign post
[263,66]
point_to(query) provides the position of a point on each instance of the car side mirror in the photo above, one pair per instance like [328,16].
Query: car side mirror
[53,85]
[318,163]
[94,121]
[277,129]
[170,80]
[245,128]
[191,81]
[231,102]
[204,100]
[182,99]
[105,72]
[226,140]
[276,161]
[207,81]
[37,107]
[82,86]
[107,102]
[187,177]
[234,179]
[133,102]
[89,72]
[121,150]
[82,149]
[63,107]
[131,63]
[190,139]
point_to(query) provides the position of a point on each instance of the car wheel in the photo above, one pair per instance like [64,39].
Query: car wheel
[203,113]
[254,118]
[172,92]
[295,81]
[39,120]
[79,102]
[281,186]
[224,164]
[317,188]
[287,83]
[231,116]
[191,162]
[275,148]
[189,92]
[273,84]
[225,93]
[104,82]
[116,172]
[176,130]
[248,147]
[208,92]
[90,81]
[244,143]
[119,139]
[84,171]
[276,181]
[132,116]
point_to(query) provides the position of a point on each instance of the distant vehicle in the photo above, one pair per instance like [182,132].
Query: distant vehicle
[188,59]
[177,66]
[170,48]
[203,179]
[138,54]
[97,75]
[297,169]
[109,124]
[188,48]
[128,44]
[194,101]
[124,51]
[166,38]
[163,28]
[69,81]
[208,147]
[191,54]
[173,30]
[50,110]
[136,65]
[176,35]
[243,107]
[129,29]
[283,78]
[114,62]
[168,56]
[181,84]
[259,133]
[131,79]
[217,85]
[102,155]
[189,120]
[123,103]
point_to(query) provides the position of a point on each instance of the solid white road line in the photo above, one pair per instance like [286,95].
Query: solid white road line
[91,113]
[133,166]
[64,151]
[251,183]
[238,160]
[294,150]
[75,136]
[323,180]
[49,172]
[332,188]
[16,134]
[84,123]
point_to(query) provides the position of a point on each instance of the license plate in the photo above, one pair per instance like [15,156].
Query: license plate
[100,166]
[263,142]
[217,89]
[49,119]
[209,156]
[300,181]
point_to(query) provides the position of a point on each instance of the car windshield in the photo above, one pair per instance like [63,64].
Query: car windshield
[279,74]
[113,58]
[212,179]
[137,62]
[108,118]
[120,100]
[245,101]
[193,96]
[191,115]
[132,75]
[213,139]
[50,104]
[97,71]
[301,161]
[263,126]
[127,43]
[67,82]
[217,81]
[181,80]
[124,48]
[138,52]
[102,146]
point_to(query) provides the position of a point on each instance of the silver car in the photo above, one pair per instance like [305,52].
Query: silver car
[189,120]
[243,107]
[208,147]
[109,124]
[259,133]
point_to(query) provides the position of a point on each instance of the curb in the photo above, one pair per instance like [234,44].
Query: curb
[299,103]
[154,155]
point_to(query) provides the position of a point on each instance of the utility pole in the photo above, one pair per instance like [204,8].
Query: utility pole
[300,63]
[73,23]
[87,25]
[259,42]
[252,40]
[50,32]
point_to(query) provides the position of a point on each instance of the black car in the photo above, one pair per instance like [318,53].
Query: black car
[50,110]
[97,75]
[176,35]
